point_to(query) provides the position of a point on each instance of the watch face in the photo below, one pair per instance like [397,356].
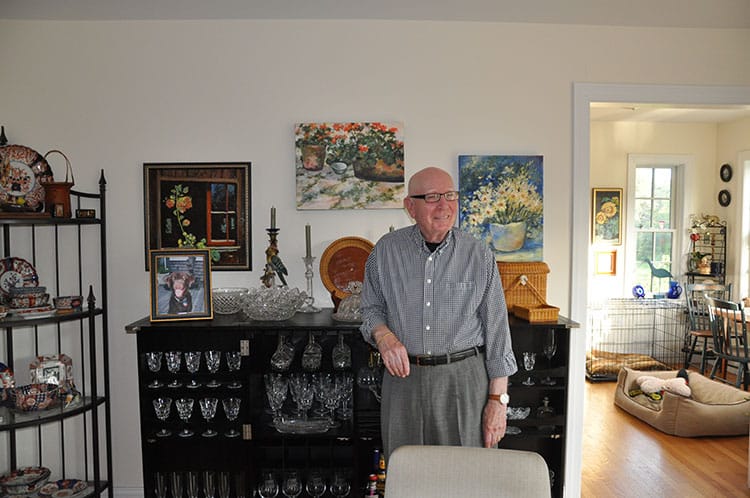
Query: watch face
[504,398]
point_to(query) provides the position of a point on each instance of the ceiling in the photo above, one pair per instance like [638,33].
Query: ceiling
[619,111]
[656,13]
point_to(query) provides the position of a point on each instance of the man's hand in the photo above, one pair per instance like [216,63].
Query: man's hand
[493,422]
[394,354]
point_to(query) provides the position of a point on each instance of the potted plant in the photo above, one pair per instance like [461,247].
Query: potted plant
[311,139]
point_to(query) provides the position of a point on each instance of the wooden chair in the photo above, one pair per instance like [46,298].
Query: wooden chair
[699,326]
[729,330]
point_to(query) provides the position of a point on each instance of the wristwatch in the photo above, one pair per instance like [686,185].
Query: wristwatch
[504,399]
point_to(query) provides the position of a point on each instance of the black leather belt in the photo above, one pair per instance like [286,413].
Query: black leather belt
[430,360]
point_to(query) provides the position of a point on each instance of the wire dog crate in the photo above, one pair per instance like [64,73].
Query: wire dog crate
[643,334]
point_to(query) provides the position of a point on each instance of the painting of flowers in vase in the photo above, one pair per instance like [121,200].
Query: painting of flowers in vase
[357,165]
[502,203]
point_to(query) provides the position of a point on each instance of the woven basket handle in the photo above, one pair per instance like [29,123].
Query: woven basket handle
[524,280]
[68,167]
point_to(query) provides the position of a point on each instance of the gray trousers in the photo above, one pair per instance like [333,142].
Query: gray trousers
[435,405]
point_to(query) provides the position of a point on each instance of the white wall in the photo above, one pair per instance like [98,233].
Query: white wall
[113,95]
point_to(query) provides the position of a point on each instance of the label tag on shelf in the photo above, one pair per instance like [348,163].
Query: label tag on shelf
[245,347]
[247,432]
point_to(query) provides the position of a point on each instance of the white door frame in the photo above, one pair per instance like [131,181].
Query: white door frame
[583,95]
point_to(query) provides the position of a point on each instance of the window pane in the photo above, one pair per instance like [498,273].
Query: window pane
[662,215]
[642,212]
[218,196]
[232,230]
[231,197]
[643,182]
[663,182]
[218,227]
[663,249]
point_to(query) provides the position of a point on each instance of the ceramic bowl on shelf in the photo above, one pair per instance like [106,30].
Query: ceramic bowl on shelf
[33,397]
[24,481]
[31,300]
[274,303]
[228,300]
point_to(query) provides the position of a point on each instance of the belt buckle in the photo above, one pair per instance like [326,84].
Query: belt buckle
[421,357]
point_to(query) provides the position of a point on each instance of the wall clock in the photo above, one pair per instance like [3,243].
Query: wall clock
[725,172]
[725,198]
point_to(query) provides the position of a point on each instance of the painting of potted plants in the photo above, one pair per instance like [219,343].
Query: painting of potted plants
[349,165]
[502,203]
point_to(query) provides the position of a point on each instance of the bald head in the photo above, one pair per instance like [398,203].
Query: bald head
[426,178]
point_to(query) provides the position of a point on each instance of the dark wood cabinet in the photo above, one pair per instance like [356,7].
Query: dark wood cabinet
[347,448]
[542,432]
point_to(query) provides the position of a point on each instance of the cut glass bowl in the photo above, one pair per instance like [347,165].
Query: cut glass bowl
[228,300]
[273,304]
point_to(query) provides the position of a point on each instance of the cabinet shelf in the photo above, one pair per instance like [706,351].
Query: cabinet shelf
[13,419]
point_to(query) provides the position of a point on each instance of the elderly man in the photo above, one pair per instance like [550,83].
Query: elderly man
[433,305]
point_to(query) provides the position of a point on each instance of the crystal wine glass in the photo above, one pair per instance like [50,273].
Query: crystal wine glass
[234,362]
[223,484]
[312,354]
[209,484]
[292,485]
[549,350]
[316,485]
[276,390]
[268,488]
[175,480]
[529,360]
[160,485]
[192,485]
[282,358]
[184,411]
[346,383]
[231,410]
[302,393]
[213,362]
[162,407]
[153,361]
[193,364]
[340,486]
[341,356]
[208,410]
[174,358]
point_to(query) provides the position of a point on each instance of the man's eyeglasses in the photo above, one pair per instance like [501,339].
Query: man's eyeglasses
[451,195]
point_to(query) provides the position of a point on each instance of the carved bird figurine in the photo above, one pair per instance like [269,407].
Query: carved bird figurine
[279,268]
[657,272]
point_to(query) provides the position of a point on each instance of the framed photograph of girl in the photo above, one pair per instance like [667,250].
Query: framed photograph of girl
[180,284]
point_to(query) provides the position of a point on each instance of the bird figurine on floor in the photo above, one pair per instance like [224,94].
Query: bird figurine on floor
[658,272]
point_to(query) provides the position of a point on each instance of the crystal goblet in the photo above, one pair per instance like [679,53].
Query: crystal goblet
[234,362]
[184,411]
[549,350]
[213,362]
[312,355]
[193,364]
[209,484]
[268,487]
[341,356]
[232,411]
[529,360]
[316,485]
[174,358]
[340,486]
[160,485]
[276,390]
[291,487]
[282,358]
[153,362]
[208,411]
[162,407]
[176,483]
[192,485]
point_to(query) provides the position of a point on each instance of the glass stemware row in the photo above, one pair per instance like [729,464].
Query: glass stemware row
[291,485]
[208,406]
[173,359]
[332,391]
[199,484]
[312,355]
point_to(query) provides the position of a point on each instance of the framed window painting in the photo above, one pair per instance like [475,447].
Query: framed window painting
[201,206]
[606,216]
[180,284]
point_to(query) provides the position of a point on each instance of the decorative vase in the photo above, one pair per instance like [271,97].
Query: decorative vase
[313,157]
[675,289]
[509,237]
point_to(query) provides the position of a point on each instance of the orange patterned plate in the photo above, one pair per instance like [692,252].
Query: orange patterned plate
[342,262]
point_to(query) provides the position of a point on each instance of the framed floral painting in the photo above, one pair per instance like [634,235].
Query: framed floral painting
[606,216]
[199,206]
[502,203]
[349,165]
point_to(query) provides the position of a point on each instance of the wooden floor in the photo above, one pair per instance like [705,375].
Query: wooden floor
[624,457]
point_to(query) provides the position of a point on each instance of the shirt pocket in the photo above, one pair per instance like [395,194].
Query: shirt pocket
[460,299]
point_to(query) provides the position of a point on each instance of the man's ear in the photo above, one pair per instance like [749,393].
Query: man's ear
[409,206]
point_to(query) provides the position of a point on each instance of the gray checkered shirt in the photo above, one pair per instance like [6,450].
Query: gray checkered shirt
[445,301]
